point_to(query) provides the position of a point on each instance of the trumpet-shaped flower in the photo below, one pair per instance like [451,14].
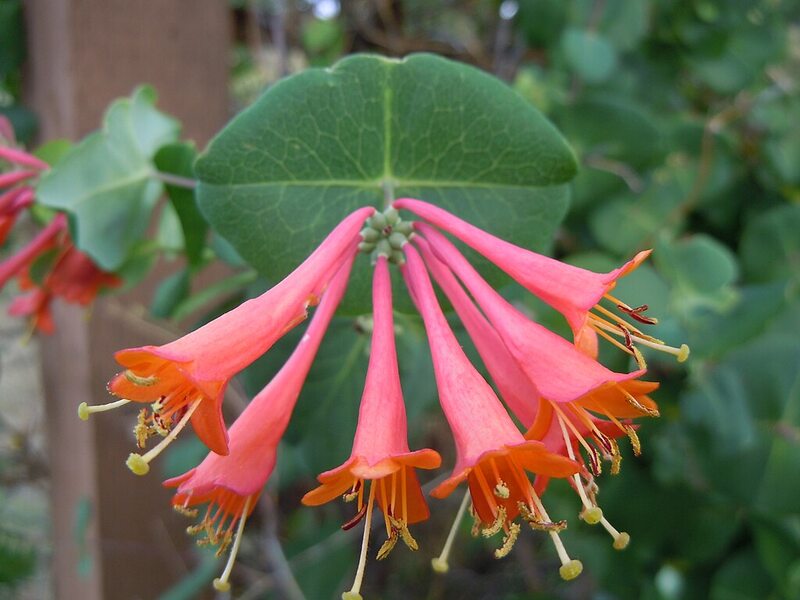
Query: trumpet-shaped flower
[547,360]
[556,368]
[380,453]
[573,291]
[492,455]
[186,379]
[12,203]
[43,241]
[231,485]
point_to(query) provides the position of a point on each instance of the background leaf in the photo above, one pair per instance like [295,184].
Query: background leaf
[106,182]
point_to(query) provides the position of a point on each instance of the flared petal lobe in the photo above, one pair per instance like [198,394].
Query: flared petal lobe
[199,365]
[254,436]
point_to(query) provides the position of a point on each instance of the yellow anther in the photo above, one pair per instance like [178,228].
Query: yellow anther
[571,570]
[495,527]
[83,411]
[387,546]
[635,443]
[439,565]
[640,361]
[592,515]
[185,511]
[621,541]
[508,541]
[401,527]
[683,354]
[616,458]
[139,380]
[352,596]
[501,490]
[221,586]
[137,464]
[350,496]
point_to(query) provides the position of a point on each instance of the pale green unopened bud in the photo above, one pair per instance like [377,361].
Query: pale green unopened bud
[392,215]
[405,227]
[370,235]
[397,240]
[383,248]
[398,257]
[378,221]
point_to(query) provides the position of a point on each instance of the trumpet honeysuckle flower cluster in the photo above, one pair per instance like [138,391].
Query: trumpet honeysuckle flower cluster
[65,271]
[572,409]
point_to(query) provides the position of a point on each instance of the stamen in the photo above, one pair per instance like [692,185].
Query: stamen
[140,464]
[635,443]
[387,546]
[616,458]
[614,318]
[355,520]
[621,538]
[402,528]
[382,483]
[84,410]
[508,541]
[403,494]
[353,493]
[221,584]
[499,521]
[354,593]
[139,380]
[183,510]
[440,564]
[636,313]
[501,490]
[475,531]
[538,524]
[650,412]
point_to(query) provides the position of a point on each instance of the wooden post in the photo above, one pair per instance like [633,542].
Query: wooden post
[82,55]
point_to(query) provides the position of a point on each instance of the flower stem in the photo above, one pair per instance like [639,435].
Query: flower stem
[176,180]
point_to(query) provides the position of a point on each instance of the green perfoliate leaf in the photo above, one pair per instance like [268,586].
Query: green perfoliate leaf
[320,144]
[106,182]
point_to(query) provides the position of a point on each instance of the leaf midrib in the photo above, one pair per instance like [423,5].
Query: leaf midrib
[378,184]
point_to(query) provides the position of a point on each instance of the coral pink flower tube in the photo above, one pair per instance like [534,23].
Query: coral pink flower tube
[43,240]
[558,370]
[193,371]
[380,448]
[569,289]
[519,393]
[23,159]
